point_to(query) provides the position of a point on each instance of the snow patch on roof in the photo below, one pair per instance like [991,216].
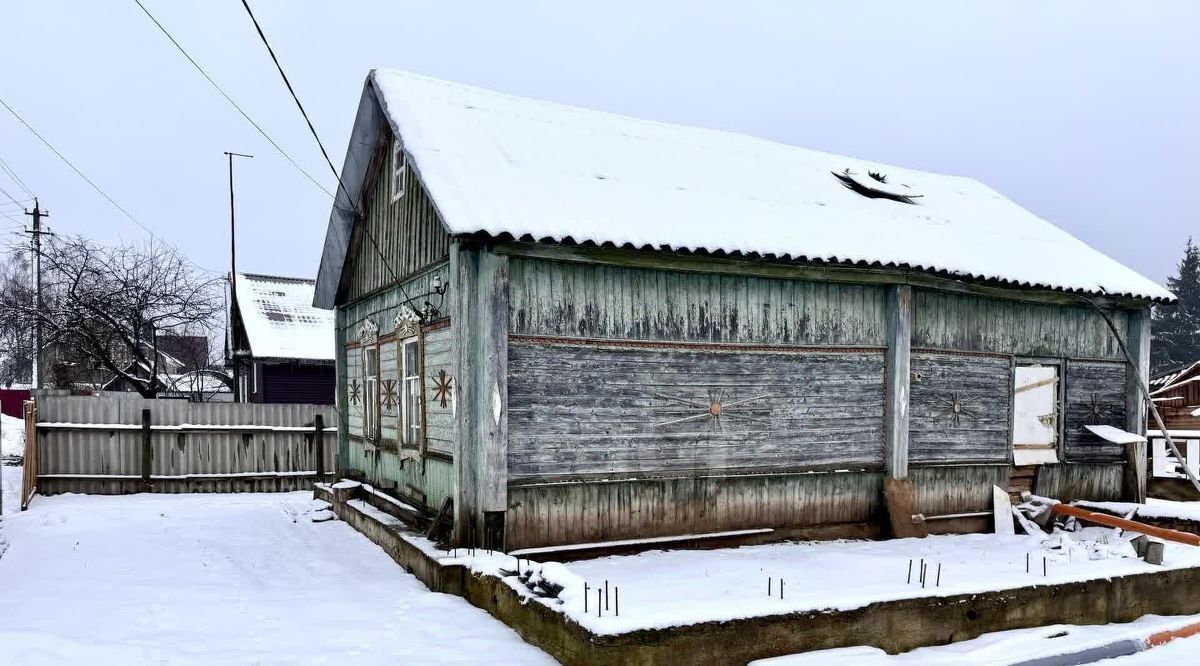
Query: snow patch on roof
[502,164]
[280,319]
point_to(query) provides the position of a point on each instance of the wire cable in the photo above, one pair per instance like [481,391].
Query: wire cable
[74,168]
[10,197]
[16,179]
[366,231]
[89,181]
[291,90]
[231,101]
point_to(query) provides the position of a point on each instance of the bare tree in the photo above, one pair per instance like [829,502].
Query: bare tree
[108,305]
[16,343]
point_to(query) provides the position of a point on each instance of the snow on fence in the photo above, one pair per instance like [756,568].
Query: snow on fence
[114,446]
[1163,464]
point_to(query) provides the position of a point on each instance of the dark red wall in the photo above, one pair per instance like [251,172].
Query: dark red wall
[11,401]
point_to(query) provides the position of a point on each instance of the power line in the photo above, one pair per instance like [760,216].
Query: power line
[230,100]
[366,231]
[10,197]
[16,179]
[74,168]
[291,90]
[89,181]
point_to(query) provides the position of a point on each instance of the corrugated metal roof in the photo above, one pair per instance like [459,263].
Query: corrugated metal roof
[280,319]
[505,165]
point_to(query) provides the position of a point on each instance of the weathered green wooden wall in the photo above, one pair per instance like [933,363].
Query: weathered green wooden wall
[604,410]
[595,301]
[409,235]
[439,413]
[982,385]
[600,353]
[383,462]
[406,235]
[963,322]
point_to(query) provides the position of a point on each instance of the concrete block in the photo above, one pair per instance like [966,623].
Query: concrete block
[1154,552]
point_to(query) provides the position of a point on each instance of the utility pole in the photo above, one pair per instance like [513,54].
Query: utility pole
[233,302]
[36,237]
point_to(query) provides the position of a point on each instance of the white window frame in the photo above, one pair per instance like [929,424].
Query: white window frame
[1037,452]
[410,391]
[370,376]
[399,170]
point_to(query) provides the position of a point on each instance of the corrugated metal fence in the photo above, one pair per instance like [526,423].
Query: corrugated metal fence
[113,446]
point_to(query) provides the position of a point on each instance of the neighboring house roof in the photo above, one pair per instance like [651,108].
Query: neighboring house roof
[197,381]
[1174,378]
[280,320]
[500,164]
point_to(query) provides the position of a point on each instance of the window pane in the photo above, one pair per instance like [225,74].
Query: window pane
[411,365]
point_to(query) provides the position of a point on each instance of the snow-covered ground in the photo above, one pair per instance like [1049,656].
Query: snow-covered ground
[669,588]
[1020,645]
[12,436]
[221,579]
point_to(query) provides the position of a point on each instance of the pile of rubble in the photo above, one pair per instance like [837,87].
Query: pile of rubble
[1072,529]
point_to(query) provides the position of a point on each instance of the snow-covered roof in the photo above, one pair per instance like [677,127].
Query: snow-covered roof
[500,164]
[198,381]
[280,319]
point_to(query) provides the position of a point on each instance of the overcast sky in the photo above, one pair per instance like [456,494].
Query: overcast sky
[1083,112]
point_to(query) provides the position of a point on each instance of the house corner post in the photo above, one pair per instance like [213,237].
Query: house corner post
[462,320]
[898,321]
[492,415]
[1137,340]
[899,495]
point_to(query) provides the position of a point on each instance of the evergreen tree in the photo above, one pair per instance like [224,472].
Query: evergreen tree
[1176,327]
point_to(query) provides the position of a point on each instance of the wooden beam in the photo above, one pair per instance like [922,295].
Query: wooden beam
[463,264]
[777,268]
[479,343]
[898,318]
[1138,342]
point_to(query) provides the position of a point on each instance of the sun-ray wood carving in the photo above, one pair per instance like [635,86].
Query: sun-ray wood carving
[442,387]
[956,408]
[390,399]
[714,409]
[1098,411]
[355,392]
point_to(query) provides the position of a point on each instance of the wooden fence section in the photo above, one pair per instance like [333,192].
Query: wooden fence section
[113,446]
[29,471]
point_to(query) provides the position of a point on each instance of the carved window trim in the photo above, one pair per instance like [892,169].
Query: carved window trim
[410,369]
[370,378]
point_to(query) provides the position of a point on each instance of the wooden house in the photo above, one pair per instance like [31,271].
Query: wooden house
[580,327]
[1176,393]
[282,347]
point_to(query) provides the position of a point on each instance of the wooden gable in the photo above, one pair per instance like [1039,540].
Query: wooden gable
[395,238]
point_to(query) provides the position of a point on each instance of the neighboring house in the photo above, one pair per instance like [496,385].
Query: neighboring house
[79,372]
[579,327]
[195,385]
[283,350]
[1177,395]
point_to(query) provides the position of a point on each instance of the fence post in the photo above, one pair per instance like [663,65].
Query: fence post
[147,451]
[319,446]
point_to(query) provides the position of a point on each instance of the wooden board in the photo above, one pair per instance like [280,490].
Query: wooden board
[577,409]
[1002,512]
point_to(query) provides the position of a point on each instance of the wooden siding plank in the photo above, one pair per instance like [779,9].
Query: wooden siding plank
[1095,395]
[583,300]
[970,323]
[407,232]
[982,432]
[579,410]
